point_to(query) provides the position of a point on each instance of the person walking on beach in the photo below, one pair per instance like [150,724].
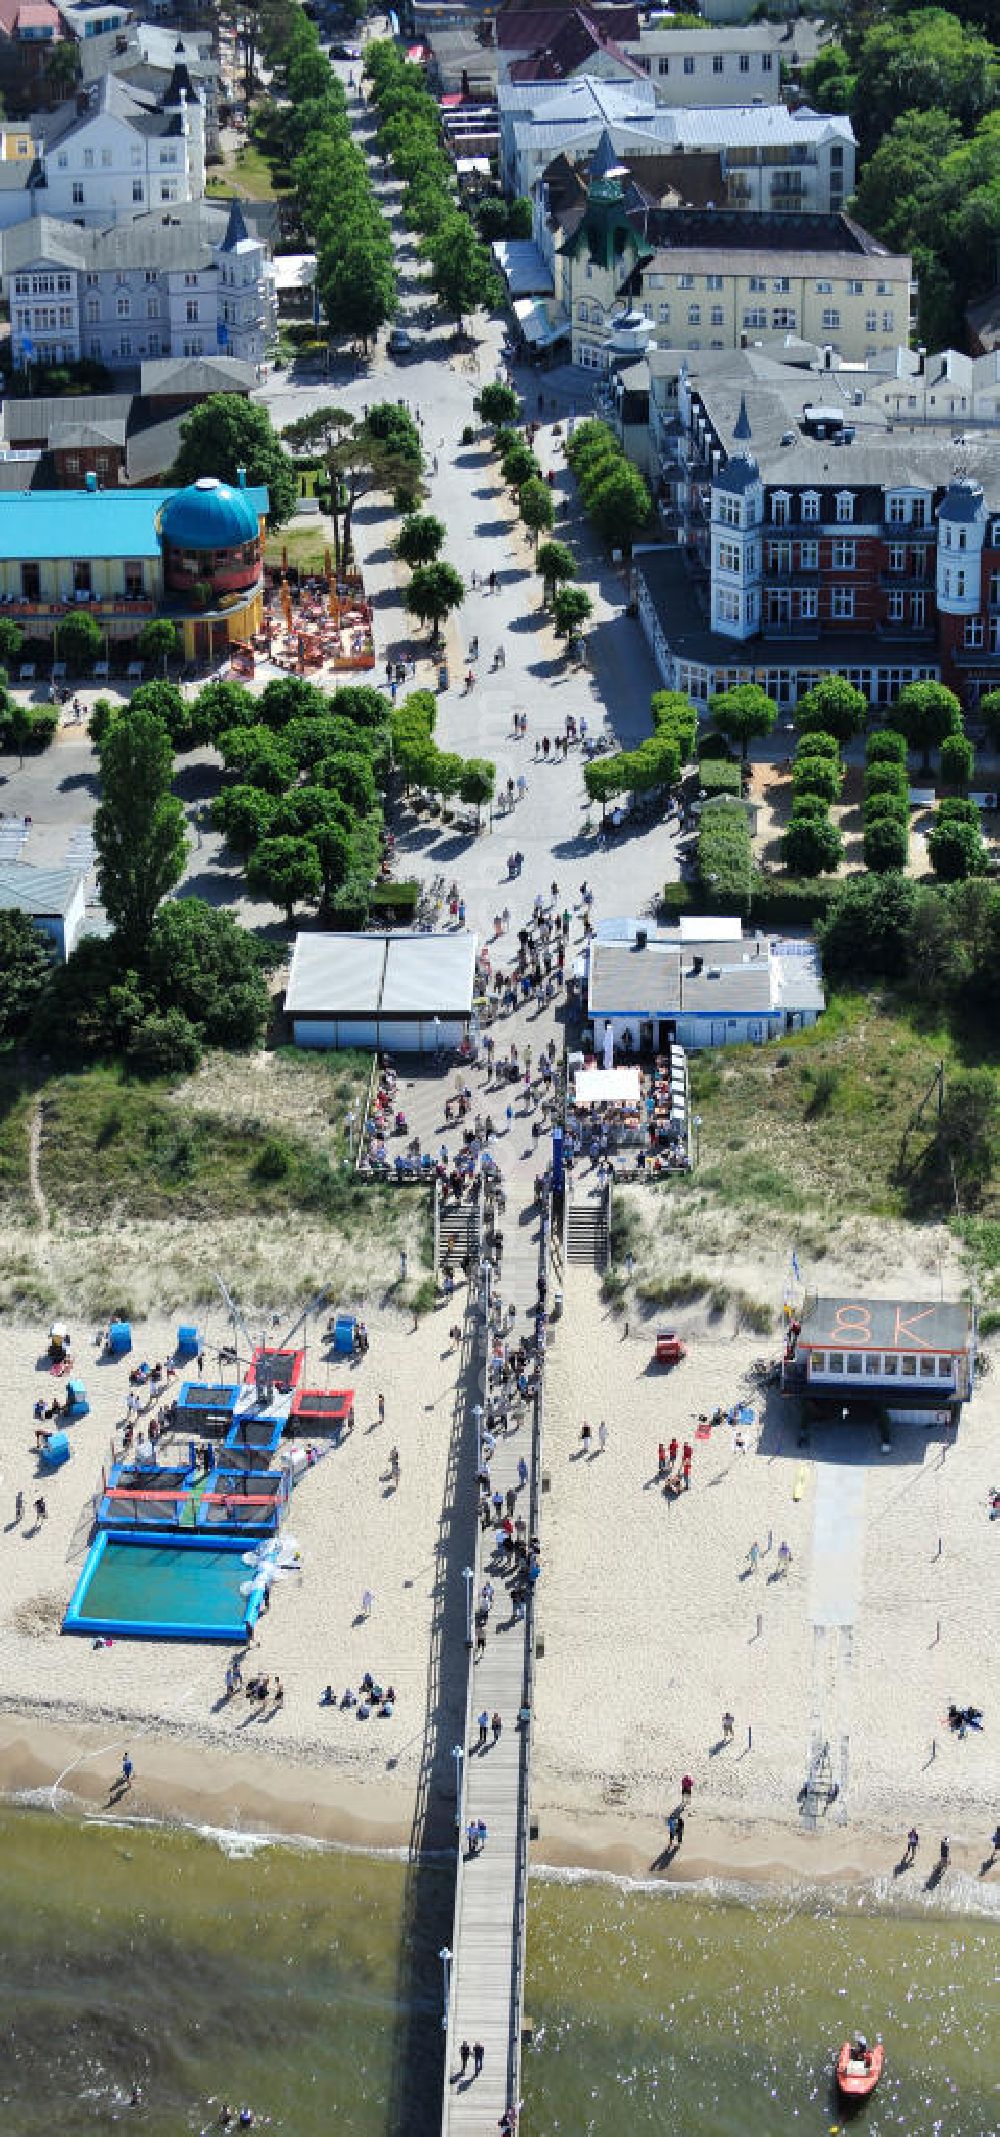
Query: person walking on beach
[784,1559]
[944,1853]
[381,1409]
[753,1556]
[728,1726]
[661,1460]
[687,1786]
[367,1603]
[995,1849]
[912,1844]
[602,1436]
[127,1771]
[18,1508]
[678,1828]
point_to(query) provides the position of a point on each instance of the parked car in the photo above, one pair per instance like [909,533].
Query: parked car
[400,342]
[342,51]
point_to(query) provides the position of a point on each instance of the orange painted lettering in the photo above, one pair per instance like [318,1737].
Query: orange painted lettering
[852,1324]
[905,1329]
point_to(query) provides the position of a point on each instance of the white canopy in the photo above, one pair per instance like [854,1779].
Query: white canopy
[608,1087]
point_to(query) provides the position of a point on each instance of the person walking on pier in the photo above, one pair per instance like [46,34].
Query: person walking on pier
[478,2058]
[484,1729]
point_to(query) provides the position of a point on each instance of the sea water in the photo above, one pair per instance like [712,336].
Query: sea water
[300,1981]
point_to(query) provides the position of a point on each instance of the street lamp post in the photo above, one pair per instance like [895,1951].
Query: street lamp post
[445,1957]
[477,1412]
[469,1577]
[458,1754]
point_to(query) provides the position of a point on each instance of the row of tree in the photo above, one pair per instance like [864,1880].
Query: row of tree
[355,271]
[409,136]
[571,605]
[421,763]
[615,497]
[656,763]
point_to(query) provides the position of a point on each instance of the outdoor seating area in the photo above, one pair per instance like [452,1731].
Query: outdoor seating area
[320,623]
[639,1114]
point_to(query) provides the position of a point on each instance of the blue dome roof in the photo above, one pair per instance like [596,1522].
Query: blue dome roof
[209,515]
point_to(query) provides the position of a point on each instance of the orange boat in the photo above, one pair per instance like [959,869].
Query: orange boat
[859,2068]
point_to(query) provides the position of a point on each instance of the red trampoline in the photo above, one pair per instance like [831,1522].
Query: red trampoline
[322,1406]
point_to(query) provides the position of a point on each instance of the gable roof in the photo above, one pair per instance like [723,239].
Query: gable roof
[576,40]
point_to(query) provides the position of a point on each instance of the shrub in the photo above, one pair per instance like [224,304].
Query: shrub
[817,744]
[812,846]
[166,1045]
[887,808]
[885,747]
[956,850]
[887,846]
[720,775]
[816,775]
[887,779]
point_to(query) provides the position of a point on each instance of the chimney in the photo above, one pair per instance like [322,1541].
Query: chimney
[921,358]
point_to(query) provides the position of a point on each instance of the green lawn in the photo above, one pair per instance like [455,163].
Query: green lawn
[140,1150]
[823,1120]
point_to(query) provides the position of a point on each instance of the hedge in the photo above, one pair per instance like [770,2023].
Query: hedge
[773,900]
[719,775]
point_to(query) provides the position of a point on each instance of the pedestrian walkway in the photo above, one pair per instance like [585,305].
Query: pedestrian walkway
[486,2002]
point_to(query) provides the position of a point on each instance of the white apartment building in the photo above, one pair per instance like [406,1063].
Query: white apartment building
[187,281]
[709,66]
[772,159]
[113,152]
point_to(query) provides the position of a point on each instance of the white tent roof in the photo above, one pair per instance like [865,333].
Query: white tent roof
[718,928]
[607,1087]
[381,975]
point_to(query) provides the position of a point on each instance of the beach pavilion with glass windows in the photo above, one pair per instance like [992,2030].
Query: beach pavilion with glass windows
[906,1356]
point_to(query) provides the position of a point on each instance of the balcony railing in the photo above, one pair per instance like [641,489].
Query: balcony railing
[901,530]
[796,627]
[789,571]
[896,581]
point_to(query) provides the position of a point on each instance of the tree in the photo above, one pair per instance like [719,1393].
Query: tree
[556,565]
[420,538]
[926,61]
[833,706]
[462,271]
[743,712]
[258,757]
[159,640]
[357,283]
[244,815]
[816,775]
[24,968]
[966,1128]
[535,507]
[989,713]
[220,705]
[620,506]
[957,760]
[81,641]
[602,777]
[169,704]
[518,464]
[886,747]
[139,832]
[62,68]
[223,434]
[571,609]
[478,782]
[433,591]
[925,713]
[956,850]
[11,641]
[865,932]
[163,1045]
[498,403]
[287,871]
[817,744]
[886,845]
[812,846]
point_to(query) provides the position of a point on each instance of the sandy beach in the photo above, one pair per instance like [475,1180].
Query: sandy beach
[648,1611]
